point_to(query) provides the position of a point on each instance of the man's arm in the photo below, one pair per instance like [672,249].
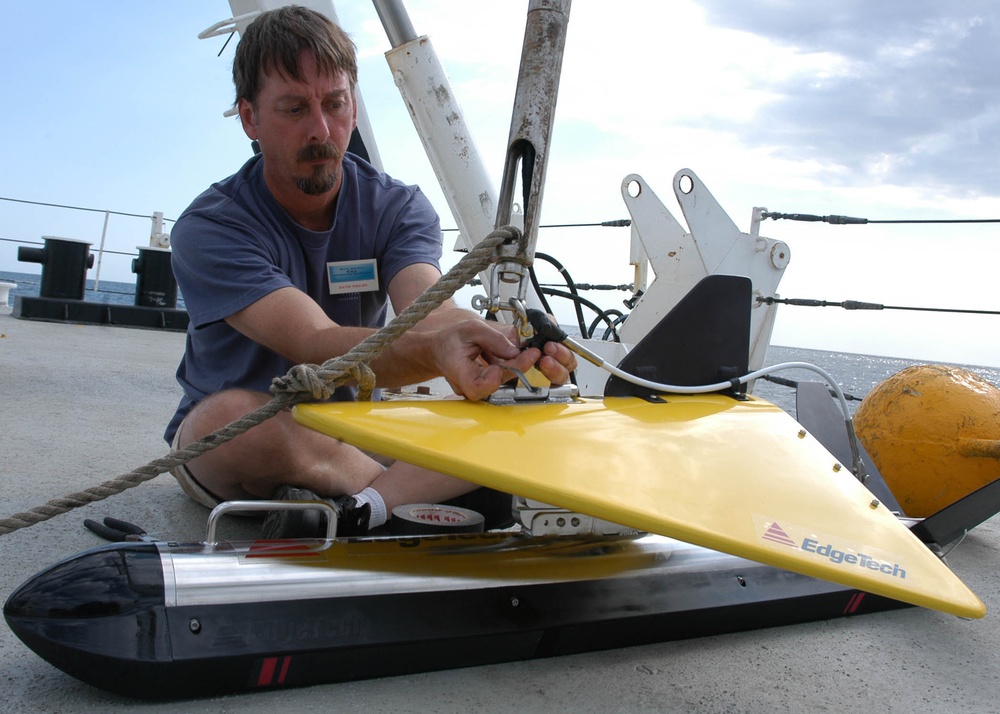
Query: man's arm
[290,323]
[452,343]
[411,282]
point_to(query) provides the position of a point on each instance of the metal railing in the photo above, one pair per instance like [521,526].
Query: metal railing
[157,237]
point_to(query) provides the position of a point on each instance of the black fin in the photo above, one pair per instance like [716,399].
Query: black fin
[704,339]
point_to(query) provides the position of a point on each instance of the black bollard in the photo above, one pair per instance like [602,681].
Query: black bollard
[64,266]
[155,285]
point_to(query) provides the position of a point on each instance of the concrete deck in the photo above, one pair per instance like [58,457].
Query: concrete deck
[84,404]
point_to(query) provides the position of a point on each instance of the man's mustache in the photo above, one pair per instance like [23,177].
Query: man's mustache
[318,152]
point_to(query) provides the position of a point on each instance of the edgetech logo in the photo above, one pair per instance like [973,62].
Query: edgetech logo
[810,545]
[776,534]
[807,541]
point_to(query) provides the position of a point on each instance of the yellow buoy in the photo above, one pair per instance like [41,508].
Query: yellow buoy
[934,434]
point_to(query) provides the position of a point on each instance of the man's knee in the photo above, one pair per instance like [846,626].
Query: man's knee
[217,410]
[220,472]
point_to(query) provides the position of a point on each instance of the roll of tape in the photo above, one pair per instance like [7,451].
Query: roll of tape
[434,519]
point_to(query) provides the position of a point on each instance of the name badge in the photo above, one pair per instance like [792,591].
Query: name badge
[352,276]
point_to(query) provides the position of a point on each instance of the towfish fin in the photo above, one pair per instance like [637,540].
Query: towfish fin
[817,411]
[955,520]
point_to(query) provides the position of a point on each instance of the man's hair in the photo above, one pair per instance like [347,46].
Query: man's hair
[274,41]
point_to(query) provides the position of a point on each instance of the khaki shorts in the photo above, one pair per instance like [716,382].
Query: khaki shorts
[190,485]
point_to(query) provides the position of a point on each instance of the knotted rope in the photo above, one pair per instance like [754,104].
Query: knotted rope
[304,382]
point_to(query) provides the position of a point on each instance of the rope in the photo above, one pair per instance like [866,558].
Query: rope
[858,305]
[81,208]
[37,242]
[616,223]
[846,220]
[303,382]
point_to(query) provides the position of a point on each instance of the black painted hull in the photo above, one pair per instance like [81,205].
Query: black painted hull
[147,648]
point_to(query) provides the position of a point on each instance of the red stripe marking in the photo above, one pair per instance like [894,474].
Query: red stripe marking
[281,549]
[266,671]
[285,662]
[850,604]
[854,603]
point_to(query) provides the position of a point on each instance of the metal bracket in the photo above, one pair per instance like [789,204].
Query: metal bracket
[529,141]
[521,394]
[540,519]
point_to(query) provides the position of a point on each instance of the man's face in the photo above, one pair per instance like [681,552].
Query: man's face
[303,129]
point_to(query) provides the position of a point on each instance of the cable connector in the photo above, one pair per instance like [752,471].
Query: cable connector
[544,329]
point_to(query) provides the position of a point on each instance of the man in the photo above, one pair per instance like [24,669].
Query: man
[251,256]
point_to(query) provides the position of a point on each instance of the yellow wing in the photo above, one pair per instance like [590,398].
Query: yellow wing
[737,477]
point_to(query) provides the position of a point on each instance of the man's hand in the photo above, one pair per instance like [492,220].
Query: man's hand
[556,362]
[468,353]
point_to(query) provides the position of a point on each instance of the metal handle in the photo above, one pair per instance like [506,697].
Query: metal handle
[252,506]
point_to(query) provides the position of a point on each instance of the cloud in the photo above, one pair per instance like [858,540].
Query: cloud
[913,98]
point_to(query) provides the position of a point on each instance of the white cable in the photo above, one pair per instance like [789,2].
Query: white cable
[858,468]
[707,388]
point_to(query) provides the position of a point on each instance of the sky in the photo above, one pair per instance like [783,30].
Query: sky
[887,110]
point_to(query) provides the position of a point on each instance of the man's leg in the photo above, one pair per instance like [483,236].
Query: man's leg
[404,483]
[280,451]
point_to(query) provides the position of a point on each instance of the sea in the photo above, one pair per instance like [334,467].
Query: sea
[108,291]
[856,374]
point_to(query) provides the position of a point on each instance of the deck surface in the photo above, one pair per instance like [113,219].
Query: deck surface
[71,420]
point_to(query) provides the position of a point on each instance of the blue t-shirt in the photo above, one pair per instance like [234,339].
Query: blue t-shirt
[235,244]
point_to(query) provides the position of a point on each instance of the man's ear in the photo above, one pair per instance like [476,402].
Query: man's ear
[247,118]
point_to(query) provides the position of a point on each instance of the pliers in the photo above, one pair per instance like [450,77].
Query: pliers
[118,531]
